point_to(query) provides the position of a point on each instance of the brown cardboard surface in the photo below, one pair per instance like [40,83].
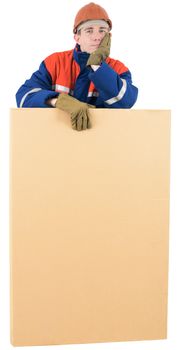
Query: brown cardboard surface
[89,222]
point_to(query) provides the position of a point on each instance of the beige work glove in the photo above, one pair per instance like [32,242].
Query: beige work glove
[103,51]
[78,111]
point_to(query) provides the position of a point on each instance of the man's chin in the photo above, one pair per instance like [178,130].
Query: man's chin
[92,49]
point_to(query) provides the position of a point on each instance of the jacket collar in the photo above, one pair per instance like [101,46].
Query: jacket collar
[80,57]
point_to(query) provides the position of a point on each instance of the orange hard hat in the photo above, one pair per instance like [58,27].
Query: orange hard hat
[91,11]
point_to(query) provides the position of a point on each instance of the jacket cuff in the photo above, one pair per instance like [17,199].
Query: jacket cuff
[38,99]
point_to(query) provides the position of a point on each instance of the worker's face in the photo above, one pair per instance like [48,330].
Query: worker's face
[90,37]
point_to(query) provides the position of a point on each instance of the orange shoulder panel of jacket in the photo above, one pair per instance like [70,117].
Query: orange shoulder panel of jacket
[118,66]
[54,62]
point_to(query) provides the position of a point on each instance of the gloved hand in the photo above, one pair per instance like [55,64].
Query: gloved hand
[103,51]
[78,111]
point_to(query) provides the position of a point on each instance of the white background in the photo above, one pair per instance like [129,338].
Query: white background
[144,38]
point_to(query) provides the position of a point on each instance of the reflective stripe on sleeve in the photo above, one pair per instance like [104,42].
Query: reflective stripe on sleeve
[29,92]
[94,93]
[120,95]
[61,88]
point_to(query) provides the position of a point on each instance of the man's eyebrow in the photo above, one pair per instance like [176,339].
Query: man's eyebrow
[88,28]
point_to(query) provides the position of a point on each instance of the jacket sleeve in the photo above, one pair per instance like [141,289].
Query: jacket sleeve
[36,90]
[116,90]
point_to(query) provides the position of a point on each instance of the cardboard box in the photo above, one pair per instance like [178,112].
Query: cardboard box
[89,222]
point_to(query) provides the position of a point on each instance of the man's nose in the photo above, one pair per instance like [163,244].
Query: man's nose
[97,36]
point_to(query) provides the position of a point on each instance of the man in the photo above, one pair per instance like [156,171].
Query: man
[83,78]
